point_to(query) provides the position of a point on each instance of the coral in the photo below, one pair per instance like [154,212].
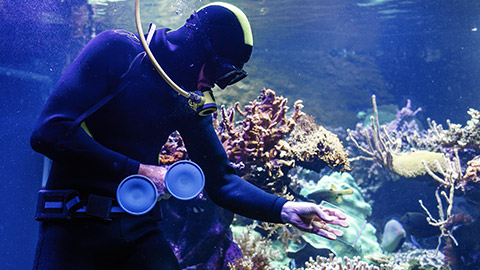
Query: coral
[259,145]
[286,233]
[330,194]
[334,263]
[379,258]
[472,172]
[266,143]
[173,150]
[259,141]
[410,164]
[413,257]
[456,136]
[460,256]
[343,181]
[452,180]
[313,146]
[353,203]
[384,144]
[257,251]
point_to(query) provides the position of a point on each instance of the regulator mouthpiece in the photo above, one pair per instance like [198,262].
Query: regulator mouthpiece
[203,104]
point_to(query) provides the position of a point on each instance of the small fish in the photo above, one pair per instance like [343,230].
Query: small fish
[393,235]
[416,224]
[330,194]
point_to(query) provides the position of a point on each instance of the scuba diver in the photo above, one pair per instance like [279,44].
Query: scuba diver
[108,117]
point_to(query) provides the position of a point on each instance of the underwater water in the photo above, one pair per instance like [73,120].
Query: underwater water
[333,55]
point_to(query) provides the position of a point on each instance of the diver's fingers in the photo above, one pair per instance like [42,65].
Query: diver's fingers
[334,212]
[340,222]
[322,229]
[339,217]
[331,216]
[322,214]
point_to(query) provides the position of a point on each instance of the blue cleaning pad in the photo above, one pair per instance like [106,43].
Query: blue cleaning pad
[184,180]
[137,195]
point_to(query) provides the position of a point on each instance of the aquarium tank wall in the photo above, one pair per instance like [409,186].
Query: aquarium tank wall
[393,85]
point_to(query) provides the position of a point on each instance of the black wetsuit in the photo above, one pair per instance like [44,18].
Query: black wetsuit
[128,130]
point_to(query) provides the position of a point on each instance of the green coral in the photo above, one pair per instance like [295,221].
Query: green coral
[358,211]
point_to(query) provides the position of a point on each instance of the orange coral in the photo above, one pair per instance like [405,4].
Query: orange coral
[473,170]
[259,138]
[173,150]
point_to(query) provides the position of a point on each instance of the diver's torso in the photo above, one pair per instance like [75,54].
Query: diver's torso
[135,123]
[139,120]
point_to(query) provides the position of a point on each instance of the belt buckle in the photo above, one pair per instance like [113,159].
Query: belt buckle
[56,204]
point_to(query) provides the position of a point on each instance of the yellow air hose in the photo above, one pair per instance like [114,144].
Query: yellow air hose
[156,65]
[203,104]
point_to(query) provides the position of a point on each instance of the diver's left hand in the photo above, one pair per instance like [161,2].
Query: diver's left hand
[313,218]
[157,175]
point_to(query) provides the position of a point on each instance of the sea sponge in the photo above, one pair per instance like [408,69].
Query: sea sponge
[410,165]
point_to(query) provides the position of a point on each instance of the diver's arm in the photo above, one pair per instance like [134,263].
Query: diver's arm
[223,186]
[90,78]
[230,191]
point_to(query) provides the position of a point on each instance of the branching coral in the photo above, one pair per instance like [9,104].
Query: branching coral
[259,141]
[257,252]
[257,145]
[383,144]
[335,263]
[456,135]
[266,143]
[286,233]
[452,179]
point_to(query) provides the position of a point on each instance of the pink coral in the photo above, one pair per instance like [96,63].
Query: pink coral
[473,170]
[258,140]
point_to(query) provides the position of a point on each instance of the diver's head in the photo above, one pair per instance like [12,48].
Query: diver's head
[227,40]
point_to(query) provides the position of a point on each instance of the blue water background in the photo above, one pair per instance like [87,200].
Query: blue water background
[331,54]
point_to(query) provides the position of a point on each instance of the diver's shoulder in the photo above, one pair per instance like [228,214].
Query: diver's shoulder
[118,38]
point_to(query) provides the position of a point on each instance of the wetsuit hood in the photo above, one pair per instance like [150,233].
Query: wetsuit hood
[225,26]
[217,36]
[182,48]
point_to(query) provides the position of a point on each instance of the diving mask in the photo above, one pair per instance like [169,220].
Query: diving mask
[227,73]
[223,71]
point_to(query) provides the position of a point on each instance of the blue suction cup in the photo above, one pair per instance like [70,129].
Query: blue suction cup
[184,180]
[137,194]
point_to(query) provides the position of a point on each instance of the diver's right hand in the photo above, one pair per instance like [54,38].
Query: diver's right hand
[157,175]
[313,218]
